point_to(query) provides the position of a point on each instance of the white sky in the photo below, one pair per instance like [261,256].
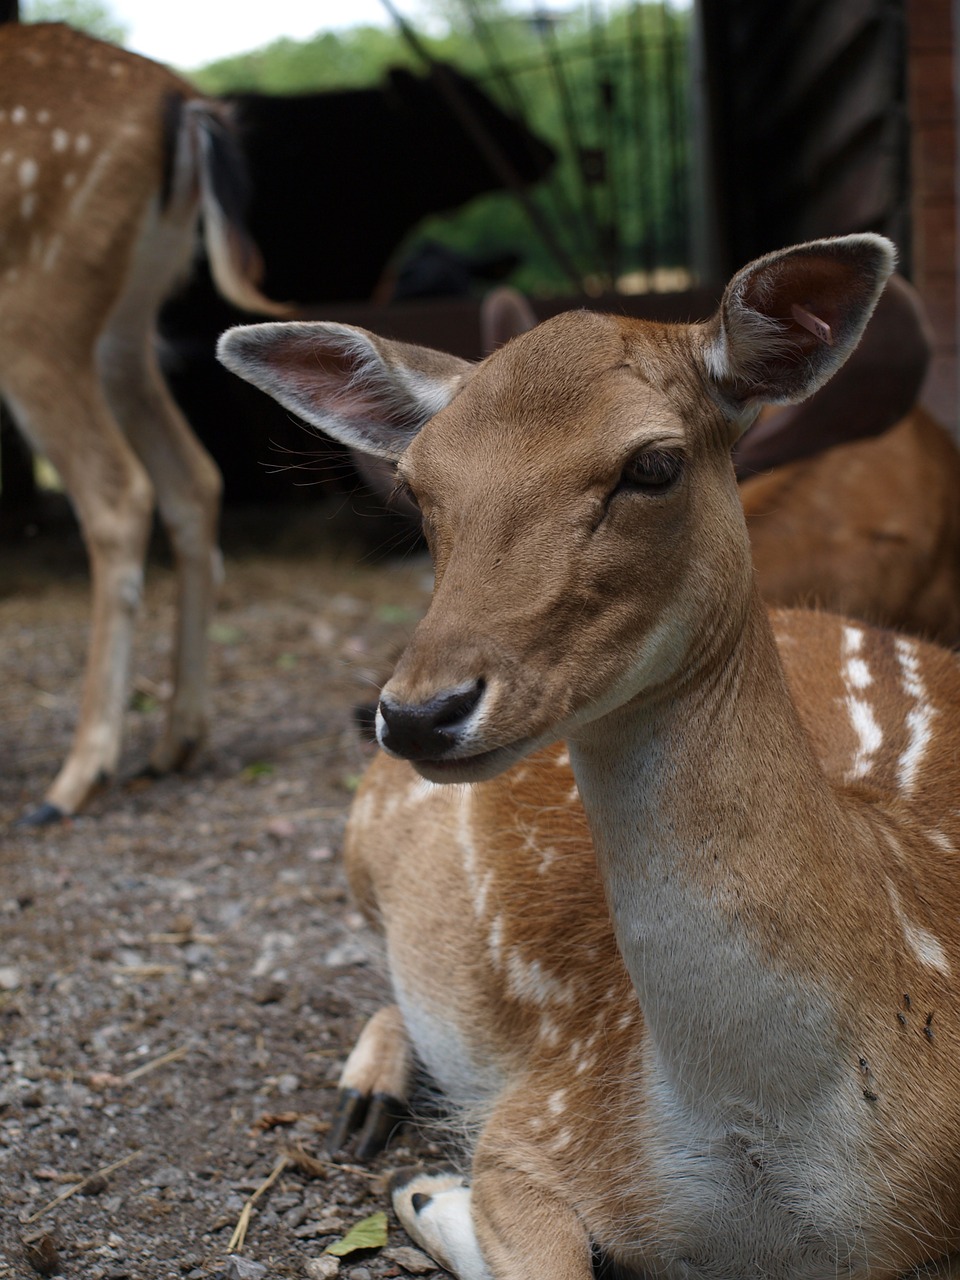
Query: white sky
[188,33]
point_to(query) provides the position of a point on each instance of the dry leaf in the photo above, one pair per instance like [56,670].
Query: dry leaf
[369,1233]
[275,1120]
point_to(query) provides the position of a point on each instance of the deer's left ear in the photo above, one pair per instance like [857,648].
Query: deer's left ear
[788,321]
[370,393]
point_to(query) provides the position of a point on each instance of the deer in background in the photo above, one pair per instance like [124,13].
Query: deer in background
[868,527]
[709,1022]
[106,160]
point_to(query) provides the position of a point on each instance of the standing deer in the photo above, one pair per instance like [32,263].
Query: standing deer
[706,1024]
[106,160]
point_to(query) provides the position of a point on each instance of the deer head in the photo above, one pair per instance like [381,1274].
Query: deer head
[576,489]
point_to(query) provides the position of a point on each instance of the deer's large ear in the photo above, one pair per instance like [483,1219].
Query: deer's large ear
[788,321]
[368,392]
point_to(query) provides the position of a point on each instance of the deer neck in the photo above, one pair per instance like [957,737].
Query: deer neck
[713,825]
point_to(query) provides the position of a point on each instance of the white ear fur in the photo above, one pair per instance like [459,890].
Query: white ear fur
[368,392]
[788,321]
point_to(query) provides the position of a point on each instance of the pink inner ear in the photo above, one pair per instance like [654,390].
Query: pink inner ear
[339,382]
[823,290]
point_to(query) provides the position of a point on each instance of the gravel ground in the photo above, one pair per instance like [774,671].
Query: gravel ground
[181,969]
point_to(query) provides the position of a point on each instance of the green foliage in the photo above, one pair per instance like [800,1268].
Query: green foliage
[608,92]
[92,16]
[329,60]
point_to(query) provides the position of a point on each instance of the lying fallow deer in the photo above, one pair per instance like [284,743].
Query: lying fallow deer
[724,1039]
[105,162]
[870,529]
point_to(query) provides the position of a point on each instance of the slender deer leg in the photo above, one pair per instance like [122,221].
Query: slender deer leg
[374,1085]
[188,487]
[113,499]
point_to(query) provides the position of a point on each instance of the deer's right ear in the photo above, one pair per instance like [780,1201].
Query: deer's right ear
[367,392]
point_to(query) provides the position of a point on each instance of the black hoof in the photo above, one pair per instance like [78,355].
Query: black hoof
[372,1118]
[349,1116]
[45,815]
[384,1116]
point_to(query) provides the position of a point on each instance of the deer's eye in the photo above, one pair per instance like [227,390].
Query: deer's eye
[652,471]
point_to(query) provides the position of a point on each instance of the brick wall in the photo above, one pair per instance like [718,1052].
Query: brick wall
[933,159]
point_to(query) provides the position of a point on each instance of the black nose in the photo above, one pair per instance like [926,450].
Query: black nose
[428,730]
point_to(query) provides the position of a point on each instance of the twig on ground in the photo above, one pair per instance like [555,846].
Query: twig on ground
[78,1186]
[240,1230]
[173,1056]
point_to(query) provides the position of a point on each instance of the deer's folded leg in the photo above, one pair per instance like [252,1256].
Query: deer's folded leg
[374,1085]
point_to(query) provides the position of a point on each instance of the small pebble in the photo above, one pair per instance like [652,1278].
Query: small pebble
[243,1269]
[10,978]
[42,1256]
[322,1268]
[412,1260]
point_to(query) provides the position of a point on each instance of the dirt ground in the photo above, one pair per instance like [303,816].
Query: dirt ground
[181,969]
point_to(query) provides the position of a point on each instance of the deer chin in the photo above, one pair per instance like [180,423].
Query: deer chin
[480,767]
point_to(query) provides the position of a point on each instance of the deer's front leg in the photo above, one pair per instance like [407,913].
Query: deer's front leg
[512,1223]
[504,1227]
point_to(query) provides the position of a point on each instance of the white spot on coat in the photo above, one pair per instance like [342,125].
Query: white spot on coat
[919,719]
[18,115]
[495,941]
[60,139]
[52,253]
[927,949]
[549,1031]
[528,980]
[941,840]
[856,677]
[27,172]
[561,1141]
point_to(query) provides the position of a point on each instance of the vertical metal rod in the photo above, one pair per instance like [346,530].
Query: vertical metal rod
[566,212]
[486,145]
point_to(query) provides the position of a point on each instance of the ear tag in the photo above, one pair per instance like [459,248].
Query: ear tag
[819,328]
